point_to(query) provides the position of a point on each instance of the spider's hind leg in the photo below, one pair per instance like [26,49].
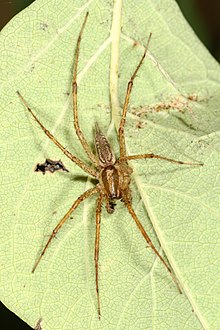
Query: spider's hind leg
[74,159]
[121,135]
[79,133]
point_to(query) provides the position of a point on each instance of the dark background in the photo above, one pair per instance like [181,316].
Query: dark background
[203,16]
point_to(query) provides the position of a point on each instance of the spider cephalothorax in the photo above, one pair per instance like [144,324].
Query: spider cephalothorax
[113,175]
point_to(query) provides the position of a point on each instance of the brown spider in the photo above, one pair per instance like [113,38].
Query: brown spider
[113,175]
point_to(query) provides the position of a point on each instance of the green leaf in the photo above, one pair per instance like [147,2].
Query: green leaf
[174,112]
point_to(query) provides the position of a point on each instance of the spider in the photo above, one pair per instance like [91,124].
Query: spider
[113,174]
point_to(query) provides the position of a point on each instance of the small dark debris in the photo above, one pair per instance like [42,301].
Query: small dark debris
[51,166]
[44,26]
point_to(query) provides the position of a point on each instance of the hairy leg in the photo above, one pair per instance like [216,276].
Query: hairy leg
[128,204]
[81,198]
[126,102]
[76,160]
[144,156]
[79,133]
[96,255]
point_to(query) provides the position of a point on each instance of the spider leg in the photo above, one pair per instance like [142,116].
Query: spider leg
[96,255]
[79,133]
[76,160]
[128,204]
[160,157]
[81,198]
[126,102]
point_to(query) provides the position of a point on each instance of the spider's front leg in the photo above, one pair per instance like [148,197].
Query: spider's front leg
[96,255]
[128,203]
[77,202]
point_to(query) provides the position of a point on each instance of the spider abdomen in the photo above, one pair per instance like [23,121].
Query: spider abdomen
[104,152]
